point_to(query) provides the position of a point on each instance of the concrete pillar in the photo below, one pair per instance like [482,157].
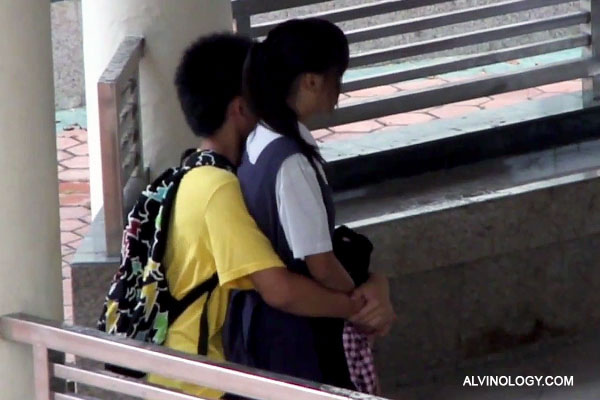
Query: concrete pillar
[168,26]
[30,267]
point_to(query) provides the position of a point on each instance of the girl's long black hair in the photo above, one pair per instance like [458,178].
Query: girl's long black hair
[292,48]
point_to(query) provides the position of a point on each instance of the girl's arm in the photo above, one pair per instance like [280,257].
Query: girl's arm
[327,270]
[304,221]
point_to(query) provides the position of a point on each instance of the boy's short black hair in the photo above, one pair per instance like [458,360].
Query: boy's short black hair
[209,76]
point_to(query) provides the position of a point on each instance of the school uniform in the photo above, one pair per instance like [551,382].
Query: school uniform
[292,204]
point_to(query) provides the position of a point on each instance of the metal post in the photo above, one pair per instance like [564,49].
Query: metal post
[111,166]
[591,85]
[243,25]
[41,372]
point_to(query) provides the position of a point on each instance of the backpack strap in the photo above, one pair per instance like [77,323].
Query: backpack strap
[180,306]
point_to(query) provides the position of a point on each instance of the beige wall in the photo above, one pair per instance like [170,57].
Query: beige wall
[30,268]
[168,28]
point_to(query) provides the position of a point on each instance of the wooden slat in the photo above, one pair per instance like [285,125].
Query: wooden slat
[467,39]
[354,12]
[117,384]
[455,92]
[467,62]
[448,18]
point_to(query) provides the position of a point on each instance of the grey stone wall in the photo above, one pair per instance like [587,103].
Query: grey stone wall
[67,47]
[504,270]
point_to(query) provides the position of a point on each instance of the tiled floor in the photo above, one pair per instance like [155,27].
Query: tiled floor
[74,189]
[73,168]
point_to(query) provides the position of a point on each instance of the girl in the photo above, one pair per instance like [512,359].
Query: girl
[292,76]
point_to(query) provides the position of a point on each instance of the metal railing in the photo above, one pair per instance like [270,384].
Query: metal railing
[45,336]
[586,67]
[120,137]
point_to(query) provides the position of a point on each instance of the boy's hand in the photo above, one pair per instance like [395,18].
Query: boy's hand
[377,315]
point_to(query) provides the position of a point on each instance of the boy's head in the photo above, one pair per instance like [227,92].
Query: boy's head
[209,84]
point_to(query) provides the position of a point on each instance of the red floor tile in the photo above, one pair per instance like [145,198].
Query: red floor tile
[80,150]
[374,92]
[70,225]
[74,187]
[410,118]
[63,143]
[75,199]
[74,175]
[73,212]
[453,111]
[358,127]
[77,162]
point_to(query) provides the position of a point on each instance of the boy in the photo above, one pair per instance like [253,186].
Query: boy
[211,229]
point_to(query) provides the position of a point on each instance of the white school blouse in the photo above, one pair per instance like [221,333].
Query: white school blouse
[299,199]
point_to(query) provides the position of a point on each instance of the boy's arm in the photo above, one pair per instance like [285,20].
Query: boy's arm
[243,255]
[299,295]
[329,272]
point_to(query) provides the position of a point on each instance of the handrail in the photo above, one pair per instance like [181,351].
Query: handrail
[471,38]
[120,136]
[466,62]
[459,91]
[353,12]
[91,344]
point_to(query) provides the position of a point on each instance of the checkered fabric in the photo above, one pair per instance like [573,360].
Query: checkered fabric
[359,357]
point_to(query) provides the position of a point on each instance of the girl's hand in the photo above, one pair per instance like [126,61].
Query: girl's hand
[377,315]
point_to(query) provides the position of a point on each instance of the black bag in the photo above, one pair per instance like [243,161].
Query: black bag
[353,250]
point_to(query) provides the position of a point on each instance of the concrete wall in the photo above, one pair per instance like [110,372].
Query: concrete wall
[485,259]
[67,45]
[167,30]
[30,270]
[486,278]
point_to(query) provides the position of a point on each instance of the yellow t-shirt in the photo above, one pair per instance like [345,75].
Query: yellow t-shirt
[211,231]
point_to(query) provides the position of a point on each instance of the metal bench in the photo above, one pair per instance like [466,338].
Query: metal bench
[48,336]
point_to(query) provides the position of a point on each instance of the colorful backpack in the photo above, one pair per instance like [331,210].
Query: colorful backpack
[139,304]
